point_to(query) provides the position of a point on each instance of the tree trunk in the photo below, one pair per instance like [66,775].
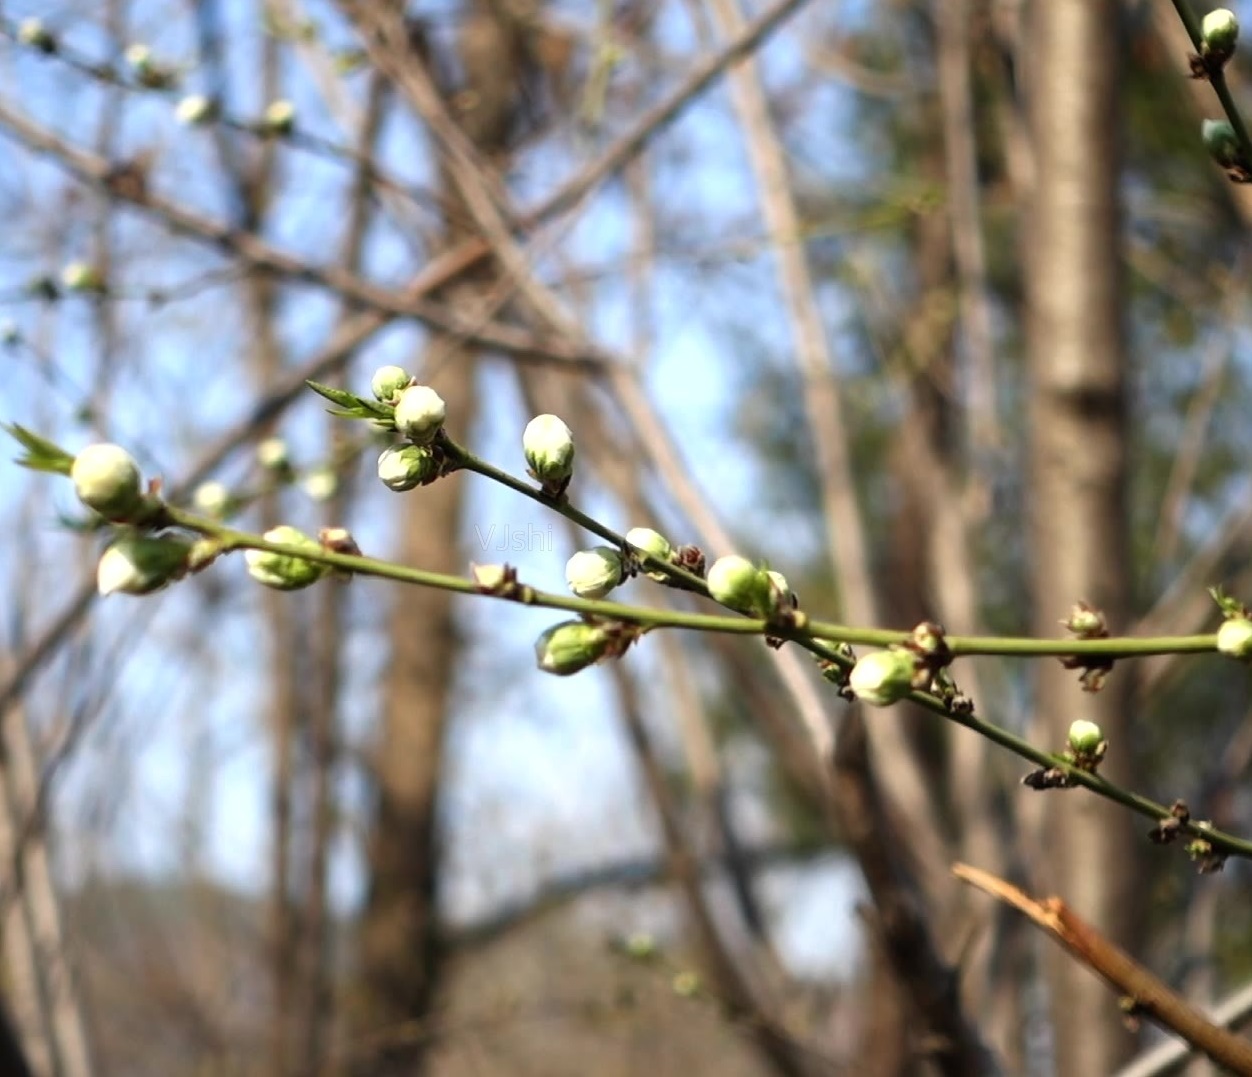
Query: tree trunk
[1078,471]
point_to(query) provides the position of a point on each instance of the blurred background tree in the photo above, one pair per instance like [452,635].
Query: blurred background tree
[934,305]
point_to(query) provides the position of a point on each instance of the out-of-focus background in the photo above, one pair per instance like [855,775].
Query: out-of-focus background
[938,306]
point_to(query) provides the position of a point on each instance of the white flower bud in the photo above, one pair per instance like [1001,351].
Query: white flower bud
[139,56]
[1084,736]
[211,498]
[281,571]
[1221,142]
[1220,31]
[106,478]
[33,33]
[320,483]
[646,540]
[403,467]
[549,448]
[595,572]
[140,564]
[737,583]
[420,412]
[388,382]
[1234,638]
[490,577]
[10,334]
[571,646]
[195,109]
[272,454]
[882,677]
[279,117]
[82,277]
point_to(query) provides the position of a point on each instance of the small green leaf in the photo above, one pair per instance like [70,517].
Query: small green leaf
[351,406]
[341,397]
[41,454]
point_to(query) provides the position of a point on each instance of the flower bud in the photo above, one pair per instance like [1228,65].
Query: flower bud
[571,646]
[1220,31]
[139,56]
[82,277]
[491,578]
[1234,638]
[388,382]
[211,498]
[420,412]
[141,564]
[33,33]
[10,334]
[595,572]
[1084,737]
[106,478]
[883,677]
[272,454]
[1221,142]
[281,571]
[403,467]
[549,448]
[320,483]
[279,117]
[195,109]
[645,540]
[736,582]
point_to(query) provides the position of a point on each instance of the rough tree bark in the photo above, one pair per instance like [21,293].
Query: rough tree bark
[1078,480]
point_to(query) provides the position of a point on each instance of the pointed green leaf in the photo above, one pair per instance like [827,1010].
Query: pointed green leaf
[41,454]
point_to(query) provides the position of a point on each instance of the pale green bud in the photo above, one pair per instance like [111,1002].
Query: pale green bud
[279,117]
[139,56]
[1221,142]
[686,984]
[388,382]
[782,590]
[1084,737]
[882,678]
[595,572]
[1220,30]
[33,33]
[403,467]
[195,109]
[141,564]
[571,646]
[1234,638]
[549,448]
[736,582]
[106,478]
[211,498]
[641,945]
[82,277]
[491,577]
[272,454]
[420,412]
[285,572]
[320,483]
[646,540]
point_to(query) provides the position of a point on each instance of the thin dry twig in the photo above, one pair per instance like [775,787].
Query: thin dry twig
[1144,994]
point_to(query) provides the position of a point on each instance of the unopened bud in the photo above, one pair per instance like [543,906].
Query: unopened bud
[1221,142]
[141,564]
[33,33]
[320,483]
[404,467]
[195,109]
[82,277]
[281,571]
[106,478]
[1220,31]
[139,56]
[388,381]
[882,678]
[571,646]
[1234,638]
[645,540]
[279,118]
[594,573]
[549,448]
[272,454]
[737,583]
[420,412]
[1084,737]
[211,498]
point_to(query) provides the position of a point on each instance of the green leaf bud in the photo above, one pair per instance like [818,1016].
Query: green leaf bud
[570,647]
[404,467]
[285,572]
[420,412]
[1234,638]
[106,479]
[388,382]
[549,448]
[1084,737]
[882,678]
[141,564]
[595,572]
